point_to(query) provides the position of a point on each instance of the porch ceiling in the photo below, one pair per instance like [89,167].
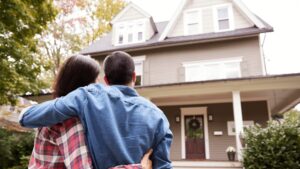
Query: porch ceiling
[281,92]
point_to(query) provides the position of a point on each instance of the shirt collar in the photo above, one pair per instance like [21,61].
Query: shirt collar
[126,90]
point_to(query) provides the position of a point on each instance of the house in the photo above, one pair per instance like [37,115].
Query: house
[205,69]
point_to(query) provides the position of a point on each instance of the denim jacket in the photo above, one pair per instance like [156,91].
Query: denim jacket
[120,126]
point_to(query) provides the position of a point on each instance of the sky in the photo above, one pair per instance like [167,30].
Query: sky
[281,47]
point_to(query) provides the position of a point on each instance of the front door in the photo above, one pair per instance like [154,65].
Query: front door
[194,137]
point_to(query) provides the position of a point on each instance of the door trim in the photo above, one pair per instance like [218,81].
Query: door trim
[194,111]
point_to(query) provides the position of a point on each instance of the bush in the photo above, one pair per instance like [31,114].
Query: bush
[275,147]
[15,148]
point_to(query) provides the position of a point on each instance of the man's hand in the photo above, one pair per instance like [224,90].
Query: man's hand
[146,162]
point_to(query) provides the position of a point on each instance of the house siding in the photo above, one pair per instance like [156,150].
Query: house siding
[207,8]
[130,15]
[165,65]
[222,112]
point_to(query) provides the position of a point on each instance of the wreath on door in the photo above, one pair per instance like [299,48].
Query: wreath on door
[194,124]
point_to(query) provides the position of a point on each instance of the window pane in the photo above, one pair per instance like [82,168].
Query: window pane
[140,36]
[223,13]
[130,37]
[194,73]
[138,68]
[121,39]
[193,28]
[192,17]
[213,71]
[138,81]
[232,70]
[223,24]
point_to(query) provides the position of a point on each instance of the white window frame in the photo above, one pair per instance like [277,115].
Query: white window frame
[134,32]
[231,125]
[230,17]
[185,20]
[140,60]
[202,63]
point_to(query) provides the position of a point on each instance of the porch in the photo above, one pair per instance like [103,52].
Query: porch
[206,165]
[216,105]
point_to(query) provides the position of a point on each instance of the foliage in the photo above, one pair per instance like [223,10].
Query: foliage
[15,149]
[277,146]
[78,23]
[20,22]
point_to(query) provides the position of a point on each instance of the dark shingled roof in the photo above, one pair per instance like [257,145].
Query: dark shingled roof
[104,45]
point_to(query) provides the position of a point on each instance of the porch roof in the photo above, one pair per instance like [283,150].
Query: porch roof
[286,89]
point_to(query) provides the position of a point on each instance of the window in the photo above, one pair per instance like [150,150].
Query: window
[231,126]
[131,32]
[139,69]
[213,69]
[223,18]
[192,22]
[121,35]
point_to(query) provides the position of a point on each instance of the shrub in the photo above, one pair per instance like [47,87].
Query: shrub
[275,147]
[15,147]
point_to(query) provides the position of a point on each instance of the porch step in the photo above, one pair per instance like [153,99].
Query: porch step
[206,165]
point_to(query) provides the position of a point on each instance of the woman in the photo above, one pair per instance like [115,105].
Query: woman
[63,145]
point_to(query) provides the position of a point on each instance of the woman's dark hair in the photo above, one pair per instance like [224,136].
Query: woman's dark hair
[77,71]
[118,68]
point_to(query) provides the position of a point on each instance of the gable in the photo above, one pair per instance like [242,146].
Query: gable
[131,14]
[207,8]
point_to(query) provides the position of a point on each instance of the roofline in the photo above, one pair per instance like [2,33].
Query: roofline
[131,4]
[223,80]
[258,23]
[170,43]
[202,82]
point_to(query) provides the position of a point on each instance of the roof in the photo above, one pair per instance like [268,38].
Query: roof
[105,45]
[160,39]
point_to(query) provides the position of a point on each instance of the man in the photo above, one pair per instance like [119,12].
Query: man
[120,125]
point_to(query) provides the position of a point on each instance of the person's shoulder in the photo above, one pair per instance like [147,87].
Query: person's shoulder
[147,104]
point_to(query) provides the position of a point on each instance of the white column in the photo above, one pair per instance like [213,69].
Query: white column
[238,122]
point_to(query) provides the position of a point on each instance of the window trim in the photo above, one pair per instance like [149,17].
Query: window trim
[230,17]
[185,21]
[201,63]
[134,32]
[140,59]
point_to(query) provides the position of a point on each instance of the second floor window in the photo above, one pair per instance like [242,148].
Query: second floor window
[139,69]
[192,23]
[213,69]
[131,32]
[223,18]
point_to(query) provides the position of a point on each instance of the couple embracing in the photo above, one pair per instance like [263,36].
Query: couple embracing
[91,125]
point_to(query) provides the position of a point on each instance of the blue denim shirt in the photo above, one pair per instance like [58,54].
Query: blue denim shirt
[120,125]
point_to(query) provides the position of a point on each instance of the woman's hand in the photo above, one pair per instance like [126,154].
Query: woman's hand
[146,162]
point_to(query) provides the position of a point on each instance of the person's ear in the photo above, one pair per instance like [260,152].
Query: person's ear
[133,77]
[106,81]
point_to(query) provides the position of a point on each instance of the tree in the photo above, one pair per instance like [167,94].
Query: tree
[78,23]
[20,22]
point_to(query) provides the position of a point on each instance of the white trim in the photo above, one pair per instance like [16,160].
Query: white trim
[197,102]
[220,60]
[289,106]
[195,111]
[269,109]
[173,20]
[230,17]
[230,125]
[238,122]
[185,22]
[130,5]
[249,14]
[140,60]
[206,164]
[125,32]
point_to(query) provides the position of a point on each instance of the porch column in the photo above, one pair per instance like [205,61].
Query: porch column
[238,122]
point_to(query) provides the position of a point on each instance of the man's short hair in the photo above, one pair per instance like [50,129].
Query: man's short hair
[119,68]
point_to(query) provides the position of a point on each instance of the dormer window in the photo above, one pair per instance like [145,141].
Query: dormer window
[192,19]
[223,18]
[131,32]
